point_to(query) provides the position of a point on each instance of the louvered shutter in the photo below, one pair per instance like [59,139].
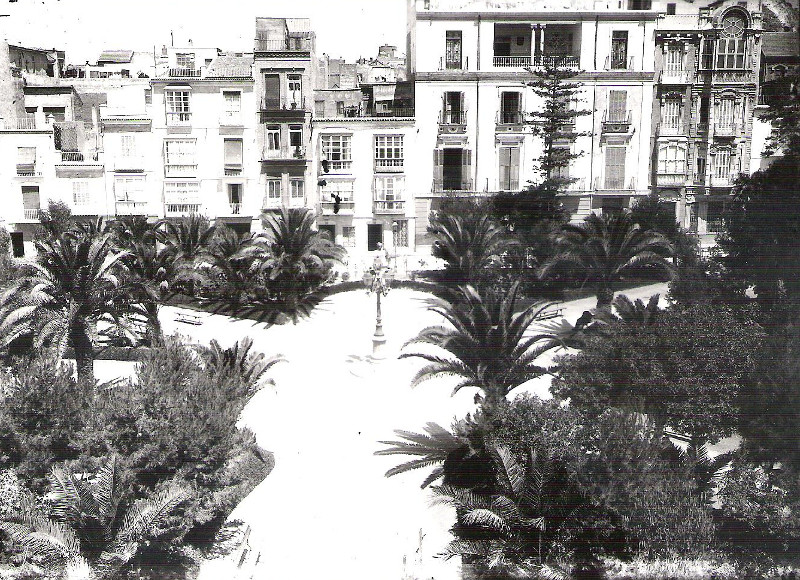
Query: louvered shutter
[437,169]
[617,101]
[466,168]
[272,91]
[615,168]
[514,169]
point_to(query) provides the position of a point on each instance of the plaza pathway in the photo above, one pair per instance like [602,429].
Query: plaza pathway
[326,510]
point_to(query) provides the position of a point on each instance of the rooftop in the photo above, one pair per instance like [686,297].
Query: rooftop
[230,67]
[115,56]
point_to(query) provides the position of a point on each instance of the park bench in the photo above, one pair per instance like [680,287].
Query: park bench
[551,313]
[188,318]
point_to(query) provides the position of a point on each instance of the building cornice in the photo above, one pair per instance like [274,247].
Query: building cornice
[207,80]
[377,120]
[442,76]
[624,15]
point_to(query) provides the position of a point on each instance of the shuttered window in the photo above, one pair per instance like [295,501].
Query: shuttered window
[617,106]
[673,61]
[509,169]
[671,113]
[615,168]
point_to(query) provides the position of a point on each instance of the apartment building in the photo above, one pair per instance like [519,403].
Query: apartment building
[285,68]
[203,126]
[470,62]
[707,62]
[363,139]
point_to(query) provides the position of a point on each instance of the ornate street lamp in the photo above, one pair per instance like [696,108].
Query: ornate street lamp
[378,279]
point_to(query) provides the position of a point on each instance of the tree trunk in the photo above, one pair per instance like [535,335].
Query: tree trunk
[84,353]
[605,296]
[154,335]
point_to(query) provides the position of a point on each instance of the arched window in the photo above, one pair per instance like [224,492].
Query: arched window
[731,46]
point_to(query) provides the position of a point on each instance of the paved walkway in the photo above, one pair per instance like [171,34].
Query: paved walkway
[326,510]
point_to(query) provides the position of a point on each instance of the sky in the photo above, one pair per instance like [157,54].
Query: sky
[347,28]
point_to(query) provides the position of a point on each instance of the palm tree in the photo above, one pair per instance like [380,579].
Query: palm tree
[87,529]
[74,281]
[486,342]
[604,247]
[238,359]
[468,244]
[299,263]
[184,242]
[631,312]
[230,263]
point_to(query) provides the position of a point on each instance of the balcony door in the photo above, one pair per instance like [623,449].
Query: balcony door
[452,169]
[619,49]
[615,168]
[617,106]
[510,107]
[374,236]
[453,49]
[454,108]
[30,197]
[272,91]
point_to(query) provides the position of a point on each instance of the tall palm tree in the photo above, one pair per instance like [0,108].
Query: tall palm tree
[468,244]
[299,263]
[486,343]
[230,264]
[74,281]
[604,247]
[183,242]
[87,529]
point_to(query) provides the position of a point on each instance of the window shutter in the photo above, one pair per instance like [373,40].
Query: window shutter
[437,167]
[615,167]
[466,168]
[505,162]
[461,104]
[617,101]
[272,90]
[514,168]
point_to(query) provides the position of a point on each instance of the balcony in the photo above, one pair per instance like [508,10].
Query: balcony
[288,44]
[617,123]
[445,64]
[274,104]
[671,179]
[72,157]
[727,130]
[611,185]
[618,65]
[27,123]
[453,122]
[31,214]
[345,208]
[442,185]
[514,118]
[27,170]
[181,209]
[674,77]
[721,181]
[233,208]
[184,73]
[183,119]
[180,170]
[297,201]
[567,61]
[272,203]
[665,130]
[389,166]
[297,152]
[131,208]
[385,207]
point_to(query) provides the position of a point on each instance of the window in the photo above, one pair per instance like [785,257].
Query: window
[272,92]
[388,152]
[274,192]
[705,107]
[453,49]
[129,188]
[452,169]
[336,150]
[179,157]
[349,236]
[185,60]
[233,152]
[701,169]
[26,160]
[178,111]
[672,159]
[510,108]
[389,188]
[673,59]
[182,197]
[722,165]
[731,46]
[127,146]
[670,8]
[714,220]
[273,138]
[295,136]
[400,233]
[235,194]
[58,113]
[562,171]
[725,113]
[80,193]
[509,169]
[619,49]
[148,96]
[617,106]
[297,191]
[17,244]
[615,168]
[30,197]
[340,109]
[342,188]
[319,108]
[232,113]
[295,90]
[692,217]
[671,112]
[707,53]
[453,109]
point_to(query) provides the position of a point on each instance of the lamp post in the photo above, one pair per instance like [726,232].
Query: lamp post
[395,227]
[378,279]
